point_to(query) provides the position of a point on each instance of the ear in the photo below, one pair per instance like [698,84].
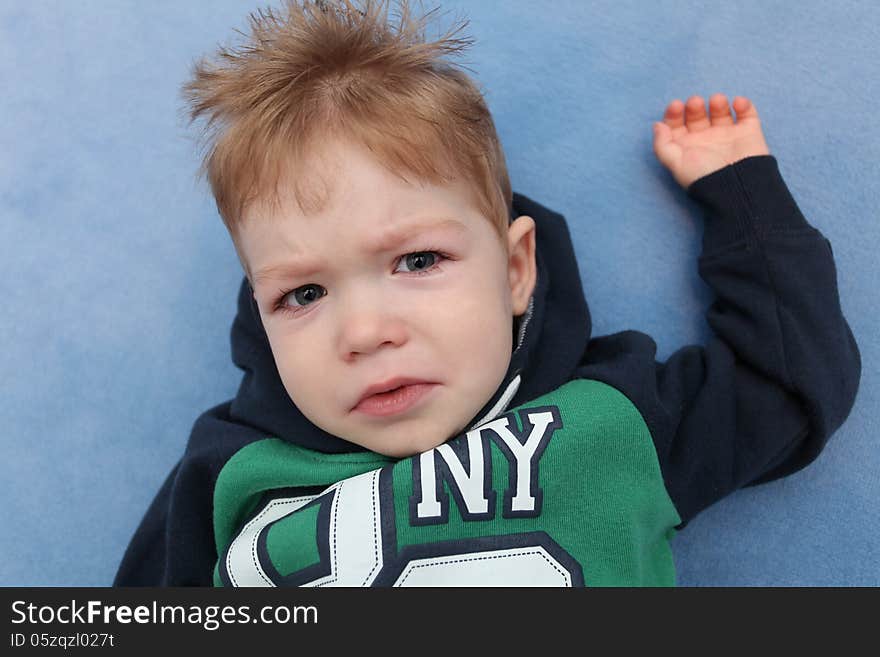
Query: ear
[521,268]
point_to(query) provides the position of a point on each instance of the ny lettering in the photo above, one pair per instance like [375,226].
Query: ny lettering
[471,483]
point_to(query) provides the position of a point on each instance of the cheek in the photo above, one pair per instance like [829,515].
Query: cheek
[292,361]
[479,331]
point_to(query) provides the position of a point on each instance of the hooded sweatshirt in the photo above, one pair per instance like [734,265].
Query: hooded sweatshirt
[580,468]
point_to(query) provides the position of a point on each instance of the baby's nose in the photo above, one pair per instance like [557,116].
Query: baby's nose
[365,331]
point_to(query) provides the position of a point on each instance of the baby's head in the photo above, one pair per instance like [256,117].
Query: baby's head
[365,190]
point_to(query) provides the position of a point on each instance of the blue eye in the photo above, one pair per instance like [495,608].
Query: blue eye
[419,261]
[305,294]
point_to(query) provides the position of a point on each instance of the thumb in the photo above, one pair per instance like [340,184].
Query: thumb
[662,132]
[664,148]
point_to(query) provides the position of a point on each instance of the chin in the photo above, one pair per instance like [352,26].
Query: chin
[406,439]
[405,449]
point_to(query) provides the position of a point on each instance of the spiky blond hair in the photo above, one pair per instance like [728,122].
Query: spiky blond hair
[338,68]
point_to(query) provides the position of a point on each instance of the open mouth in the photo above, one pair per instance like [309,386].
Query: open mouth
[396,401]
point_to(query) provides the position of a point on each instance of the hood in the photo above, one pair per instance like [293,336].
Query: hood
[549,340]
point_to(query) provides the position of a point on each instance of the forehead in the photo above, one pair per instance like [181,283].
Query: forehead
[341,173]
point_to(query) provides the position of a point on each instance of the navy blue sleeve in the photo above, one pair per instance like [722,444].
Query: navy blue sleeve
[174,543]
[144,562]
[780,372]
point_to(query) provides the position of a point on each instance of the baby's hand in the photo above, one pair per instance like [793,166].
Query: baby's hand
[692,145]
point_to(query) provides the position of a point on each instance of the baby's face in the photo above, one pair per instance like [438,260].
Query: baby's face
[389,284]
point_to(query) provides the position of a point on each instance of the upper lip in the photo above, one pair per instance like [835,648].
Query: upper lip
[389,384]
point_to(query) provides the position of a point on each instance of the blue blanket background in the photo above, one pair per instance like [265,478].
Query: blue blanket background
[119,281]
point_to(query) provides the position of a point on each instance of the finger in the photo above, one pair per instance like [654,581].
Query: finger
[674,115]
[695,114]
[719,110]
[744,108]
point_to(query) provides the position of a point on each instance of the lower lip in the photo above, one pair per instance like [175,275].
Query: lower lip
[396,401]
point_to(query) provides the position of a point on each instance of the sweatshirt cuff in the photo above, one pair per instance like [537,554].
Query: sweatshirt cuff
[744,201]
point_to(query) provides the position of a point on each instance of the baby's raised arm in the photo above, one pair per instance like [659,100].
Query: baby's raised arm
[780,372]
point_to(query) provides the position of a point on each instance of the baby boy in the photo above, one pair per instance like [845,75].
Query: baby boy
[422,401]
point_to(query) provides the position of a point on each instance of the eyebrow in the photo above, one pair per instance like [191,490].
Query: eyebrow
[385,242]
